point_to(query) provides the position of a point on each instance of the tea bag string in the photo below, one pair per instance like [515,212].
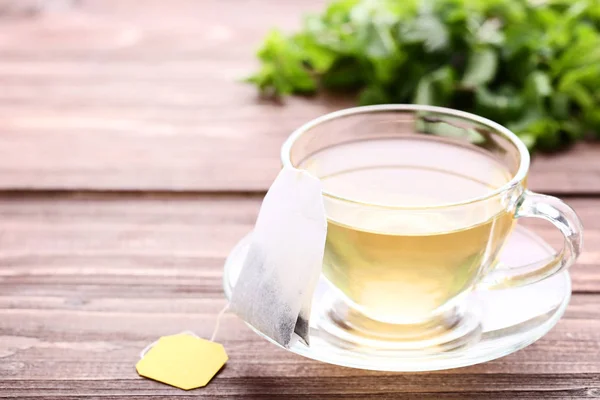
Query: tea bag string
[212,337]
[218,322]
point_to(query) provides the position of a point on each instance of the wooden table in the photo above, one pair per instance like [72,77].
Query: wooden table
[132,160]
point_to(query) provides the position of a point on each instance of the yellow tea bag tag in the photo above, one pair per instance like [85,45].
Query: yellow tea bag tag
[184,361]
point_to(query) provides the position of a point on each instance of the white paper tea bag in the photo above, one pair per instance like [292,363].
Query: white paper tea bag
[276,284]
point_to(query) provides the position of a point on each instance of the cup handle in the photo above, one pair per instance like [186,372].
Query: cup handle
[561,216]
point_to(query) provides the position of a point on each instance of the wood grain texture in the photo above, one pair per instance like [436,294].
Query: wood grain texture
[130,95]
[79,240]
[88,280]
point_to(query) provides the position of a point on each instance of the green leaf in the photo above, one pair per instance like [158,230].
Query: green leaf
[319,58]
[373,25]
[448,127]
[591,118]
[539,84]
[424,94]
[481,67]
[559,104]
[587,75]
[500,104]
[579,94]
[533,66]
[489,32]
[581,51]
[426,29]
[436,87]
[574,129]
[377,41]
[540,127]
[528,139]
[444,80]
[345,74]
[284,68]
[373,95]
[487,99]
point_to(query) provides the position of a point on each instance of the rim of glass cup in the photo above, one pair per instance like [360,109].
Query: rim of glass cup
[521,173]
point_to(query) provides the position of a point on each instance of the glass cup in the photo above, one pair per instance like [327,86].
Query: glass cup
[419,201]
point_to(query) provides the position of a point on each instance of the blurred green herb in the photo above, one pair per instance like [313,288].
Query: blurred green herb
[531,65]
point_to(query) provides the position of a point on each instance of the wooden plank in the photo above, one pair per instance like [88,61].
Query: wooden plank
[574,171]
[112,337]
[108,95]
[406,386]
[84,240]
[360,386]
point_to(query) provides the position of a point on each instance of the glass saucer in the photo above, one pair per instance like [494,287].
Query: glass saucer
[508,319]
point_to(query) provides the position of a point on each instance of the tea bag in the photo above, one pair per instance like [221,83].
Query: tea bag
[276,284]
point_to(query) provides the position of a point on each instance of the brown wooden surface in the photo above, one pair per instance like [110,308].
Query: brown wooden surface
[131,161]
